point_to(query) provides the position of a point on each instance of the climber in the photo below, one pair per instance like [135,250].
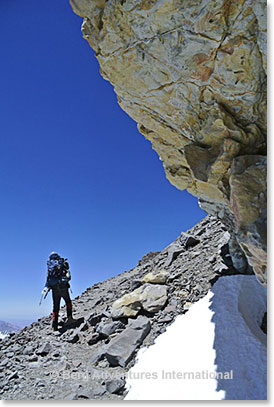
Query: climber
[58,277]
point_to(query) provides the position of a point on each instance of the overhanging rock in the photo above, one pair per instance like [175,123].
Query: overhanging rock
[193,76]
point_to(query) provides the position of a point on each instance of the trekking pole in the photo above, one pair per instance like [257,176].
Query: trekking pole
[44,296]
[46,293]
[41,300]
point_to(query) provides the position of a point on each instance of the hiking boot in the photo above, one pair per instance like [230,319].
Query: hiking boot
[55,326]
[70,320]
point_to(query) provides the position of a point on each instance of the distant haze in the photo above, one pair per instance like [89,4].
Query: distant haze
[7,327]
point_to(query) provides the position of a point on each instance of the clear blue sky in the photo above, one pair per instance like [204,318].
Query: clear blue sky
[76,176]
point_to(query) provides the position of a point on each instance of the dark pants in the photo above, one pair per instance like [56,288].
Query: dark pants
[57,294]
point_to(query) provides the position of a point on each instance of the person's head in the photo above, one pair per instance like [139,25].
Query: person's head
[54,256]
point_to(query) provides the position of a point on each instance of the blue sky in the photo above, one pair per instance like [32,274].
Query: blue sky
[76,176]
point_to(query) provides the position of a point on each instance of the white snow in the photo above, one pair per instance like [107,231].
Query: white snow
[220,333]
[2,336]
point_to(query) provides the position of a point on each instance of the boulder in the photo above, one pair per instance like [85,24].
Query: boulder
[105,329]
[154,297]
[150,297]
[156,277]
[121,349]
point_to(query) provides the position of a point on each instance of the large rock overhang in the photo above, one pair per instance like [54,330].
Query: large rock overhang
[193,76]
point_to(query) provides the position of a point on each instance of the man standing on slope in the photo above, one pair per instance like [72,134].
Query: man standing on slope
[58,278]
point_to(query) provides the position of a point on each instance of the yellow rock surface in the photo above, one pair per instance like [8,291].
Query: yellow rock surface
[193,76]
[156,277]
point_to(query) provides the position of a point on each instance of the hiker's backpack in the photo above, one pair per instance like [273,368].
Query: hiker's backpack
[58,273]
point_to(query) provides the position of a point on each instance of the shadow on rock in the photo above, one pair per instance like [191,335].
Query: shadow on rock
[238,305]
[72,325]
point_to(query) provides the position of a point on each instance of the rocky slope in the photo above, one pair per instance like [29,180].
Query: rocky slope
[193,76]
[114,318]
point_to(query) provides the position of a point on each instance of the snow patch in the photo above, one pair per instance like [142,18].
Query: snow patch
[2,336]
[220,335]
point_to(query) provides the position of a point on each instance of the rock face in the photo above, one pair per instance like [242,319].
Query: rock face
[248,197]
[193,76]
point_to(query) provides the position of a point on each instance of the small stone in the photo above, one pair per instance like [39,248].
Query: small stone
[4,362]
[93,338]
[103,363]
[187,306]
[105,329]
[165,319]
[44,349]
[83,327]
[170,308]
[33,358]
[98,389]
[28,350]
[74,338]
[174,277]
[96,357]
[13,375]
[76,363]
[94,319]
[95,390]
[135,284]
[71,396]
[34,365]
[115,386]
[183,293]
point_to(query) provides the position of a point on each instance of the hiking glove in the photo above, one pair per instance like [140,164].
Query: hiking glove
[44,292]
